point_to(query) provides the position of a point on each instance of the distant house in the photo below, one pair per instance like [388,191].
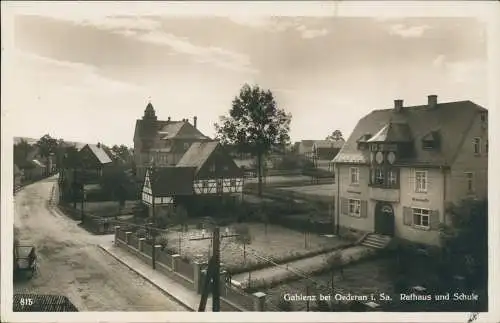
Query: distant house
[305,148]
[95,160]
[162,142]
[327,149]
[49,162]
[34,169]
[401,167]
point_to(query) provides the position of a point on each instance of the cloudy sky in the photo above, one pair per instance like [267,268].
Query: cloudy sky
[89,78]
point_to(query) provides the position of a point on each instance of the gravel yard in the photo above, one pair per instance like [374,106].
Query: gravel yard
[279,244]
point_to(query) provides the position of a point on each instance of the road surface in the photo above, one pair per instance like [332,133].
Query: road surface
[71,263]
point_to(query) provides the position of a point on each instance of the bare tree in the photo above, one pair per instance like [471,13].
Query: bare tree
[334,263]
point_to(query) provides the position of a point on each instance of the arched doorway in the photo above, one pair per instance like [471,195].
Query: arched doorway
[384,219]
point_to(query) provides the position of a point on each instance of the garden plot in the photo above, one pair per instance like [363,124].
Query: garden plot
[365,278]
[279,245]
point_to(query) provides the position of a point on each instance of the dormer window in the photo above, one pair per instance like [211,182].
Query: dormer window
[362,141]
[431,140]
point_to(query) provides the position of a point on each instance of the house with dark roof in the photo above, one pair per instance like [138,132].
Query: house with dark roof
[162,142]
[206,169]
[400,168]
[327,149]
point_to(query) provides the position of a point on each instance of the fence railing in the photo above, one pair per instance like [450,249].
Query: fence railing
[190,274]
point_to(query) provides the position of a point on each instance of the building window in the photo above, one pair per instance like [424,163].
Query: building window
[421,218]
[355,208]
[420,181]
[392,178]
[204,185]
[483,116]
[354,175]
[486,146]
[379,177]
[477,145]
[232,182]
[212,168]
[470,182]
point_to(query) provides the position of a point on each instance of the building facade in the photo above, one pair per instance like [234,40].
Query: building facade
[401,167]
[162,142]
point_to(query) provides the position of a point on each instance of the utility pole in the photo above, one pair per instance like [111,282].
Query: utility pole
[153,238]
[212,280]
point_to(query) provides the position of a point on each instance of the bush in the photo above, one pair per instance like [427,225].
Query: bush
[322,305]
[285,305]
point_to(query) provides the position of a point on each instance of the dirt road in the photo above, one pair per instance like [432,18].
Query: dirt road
[71,263]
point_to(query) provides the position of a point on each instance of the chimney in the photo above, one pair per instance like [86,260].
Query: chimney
[398,105]
[195,121]
[98,145]
[168,118]
[432,101]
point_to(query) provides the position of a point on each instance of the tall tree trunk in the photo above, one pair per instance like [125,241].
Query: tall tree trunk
[259,174]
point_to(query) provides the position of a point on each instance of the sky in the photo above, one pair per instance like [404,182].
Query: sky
[89,78]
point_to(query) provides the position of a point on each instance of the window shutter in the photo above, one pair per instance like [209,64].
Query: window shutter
[364,209]
[434,220]
[407,216]
[344,206]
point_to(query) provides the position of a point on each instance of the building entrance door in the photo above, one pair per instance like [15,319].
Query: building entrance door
[384,219]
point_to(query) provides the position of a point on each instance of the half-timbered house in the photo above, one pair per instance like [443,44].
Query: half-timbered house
[216,173]
[162,185]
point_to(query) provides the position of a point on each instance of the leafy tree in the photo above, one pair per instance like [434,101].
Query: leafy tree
[21,151]
[469,223]
[121,152]
[47,145]
[336,135]
[116,182]
[255,125]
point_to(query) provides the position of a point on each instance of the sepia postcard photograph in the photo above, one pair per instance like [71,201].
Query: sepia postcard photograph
[161,159]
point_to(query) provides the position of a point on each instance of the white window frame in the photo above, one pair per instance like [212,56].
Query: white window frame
[379,175]
[354,171]
[477,145]
[354,207]
[469,179]
[204,184]
[421,188]
[422,212]
[392,178]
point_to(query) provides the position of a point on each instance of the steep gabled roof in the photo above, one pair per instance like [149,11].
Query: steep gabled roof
[99,153]
[197,154]
[452,119]
[173,180]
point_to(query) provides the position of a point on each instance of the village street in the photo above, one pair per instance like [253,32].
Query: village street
[71,263]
